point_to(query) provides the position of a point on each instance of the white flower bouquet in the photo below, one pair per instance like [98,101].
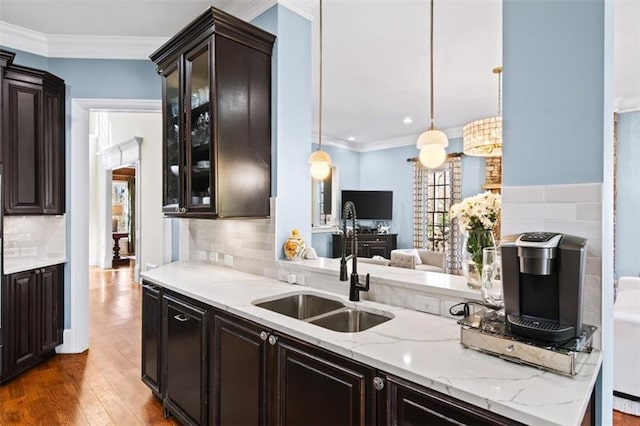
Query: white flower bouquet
[476,216]
[479,212]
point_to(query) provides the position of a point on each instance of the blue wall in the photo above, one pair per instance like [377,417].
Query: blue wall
[292,89]
[628,195]
[94,78]
[553,91]
[388,169]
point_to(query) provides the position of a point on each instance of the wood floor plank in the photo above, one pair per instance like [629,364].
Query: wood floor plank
[99,387]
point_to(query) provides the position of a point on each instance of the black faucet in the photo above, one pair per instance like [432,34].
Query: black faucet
[355,287]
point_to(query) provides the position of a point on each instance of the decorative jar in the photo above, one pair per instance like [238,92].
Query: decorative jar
[294,247]
[473,241]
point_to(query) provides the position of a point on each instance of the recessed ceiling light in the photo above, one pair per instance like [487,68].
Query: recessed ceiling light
[351,139]
[407,120]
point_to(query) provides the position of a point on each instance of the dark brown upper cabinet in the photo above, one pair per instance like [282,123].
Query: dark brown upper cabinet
[216,94]
[32,140]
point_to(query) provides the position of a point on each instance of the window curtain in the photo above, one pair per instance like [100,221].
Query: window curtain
[420,200]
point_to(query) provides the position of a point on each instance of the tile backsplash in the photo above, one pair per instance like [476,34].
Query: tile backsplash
[34,236]
[572,209]
[249,244]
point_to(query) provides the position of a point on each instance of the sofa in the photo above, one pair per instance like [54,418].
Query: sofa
[419,259]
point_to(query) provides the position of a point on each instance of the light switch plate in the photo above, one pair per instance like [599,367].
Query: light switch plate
[228,260]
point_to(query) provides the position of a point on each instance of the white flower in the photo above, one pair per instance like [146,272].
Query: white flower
[480,211]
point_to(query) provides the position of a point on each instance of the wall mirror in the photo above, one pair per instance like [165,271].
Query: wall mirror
[324,196]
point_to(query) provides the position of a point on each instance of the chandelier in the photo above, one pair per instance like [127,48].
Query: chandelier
[483,138]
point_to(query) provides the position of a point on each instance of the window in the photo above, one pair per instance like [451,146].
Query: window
[437,211]
[434,191]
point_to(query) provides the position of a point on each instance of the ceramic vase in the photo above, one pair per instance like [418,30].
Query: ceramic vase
[294,247]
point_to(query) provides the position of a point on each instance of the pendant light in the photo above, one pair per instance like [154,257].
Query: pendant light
[432,142]
[320,160]
[483,138]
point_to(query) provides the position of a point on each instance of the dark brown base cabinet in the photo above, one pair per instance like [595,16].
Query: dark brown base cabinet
[152,338]
[185,355]
[411,404]
[252,375]
[32,318]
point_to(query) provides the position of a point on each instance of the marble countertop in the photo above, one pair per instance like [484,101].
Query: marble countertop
[11,265]
[413,345]
[437,283]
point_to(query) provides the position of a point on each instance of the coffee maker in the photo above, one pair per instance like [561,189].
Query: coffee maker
[543,280]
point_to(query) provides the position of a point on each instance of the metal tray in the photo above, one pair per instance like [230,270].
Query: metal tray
[487,331]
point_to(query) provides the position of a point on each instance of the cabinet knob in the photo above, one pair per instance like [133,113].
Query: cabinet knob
[264,335]
[272,340]
[378,383]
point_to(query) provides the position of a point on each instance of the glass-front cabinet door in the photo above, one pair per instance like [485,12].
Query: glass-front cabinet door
[199,159]
[172,136]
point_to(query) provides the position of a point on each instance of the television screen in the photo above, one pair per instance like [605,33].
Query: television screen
[370,205]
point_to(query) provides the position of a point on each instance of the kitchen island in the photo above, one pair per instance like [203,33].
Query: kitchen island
[421,348]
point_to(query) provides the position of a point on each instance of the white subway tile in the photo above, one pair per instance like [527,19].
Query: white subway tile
[573,193]
[522,194]
[585,228]
[517,226]
[558,211]
[589,211]
[594,266]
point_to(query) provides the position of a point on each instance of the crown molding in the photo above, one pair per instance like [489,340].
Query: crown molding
[121,47]
[15,37]
[74,46]
[103,47]
[250,10]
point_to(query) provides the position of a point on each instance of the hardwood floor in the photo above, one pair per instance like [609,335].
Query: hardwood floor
[102,385]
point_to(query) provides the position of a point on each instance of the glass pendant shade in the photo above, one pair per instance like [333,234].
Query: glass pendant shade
[320,164]
[432,156]
[483,138]
[432,137]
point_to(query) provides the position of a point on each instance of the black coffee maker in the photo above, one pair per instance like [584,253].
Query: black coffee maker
[543,280]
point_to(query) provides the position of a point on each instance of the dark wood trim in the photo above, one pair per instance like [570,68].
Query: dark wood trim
[212,21]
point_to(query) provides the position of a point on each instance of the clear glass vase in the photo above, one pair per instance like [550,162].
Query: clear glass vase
[472,244]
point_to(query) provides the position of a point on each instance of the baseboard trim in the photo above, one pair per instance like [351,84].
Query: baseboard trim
[69,344]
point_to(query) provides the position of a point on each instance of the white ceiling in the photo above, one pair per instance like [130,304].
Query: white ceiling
[375,54]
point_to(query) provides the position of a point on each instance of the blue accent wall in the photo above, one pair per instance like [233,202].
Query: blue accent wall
[292,89]
[553,91]
[628,195]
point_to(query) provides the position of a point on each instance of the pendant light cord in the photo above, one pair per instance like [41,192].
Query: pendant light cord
[320,87]
[430,61]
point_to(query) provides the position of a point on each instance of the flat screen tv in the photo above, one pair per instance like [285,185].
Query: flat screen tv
[370,205]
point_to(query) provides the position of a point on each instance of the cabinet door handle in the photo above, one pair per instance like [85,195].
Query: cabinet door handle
[181,318]
[378,383]
[264,335]
[272,340]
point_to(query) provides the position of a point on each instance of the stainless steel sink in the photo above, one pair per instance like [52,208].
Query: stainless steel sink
[301,306]
[349,320]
